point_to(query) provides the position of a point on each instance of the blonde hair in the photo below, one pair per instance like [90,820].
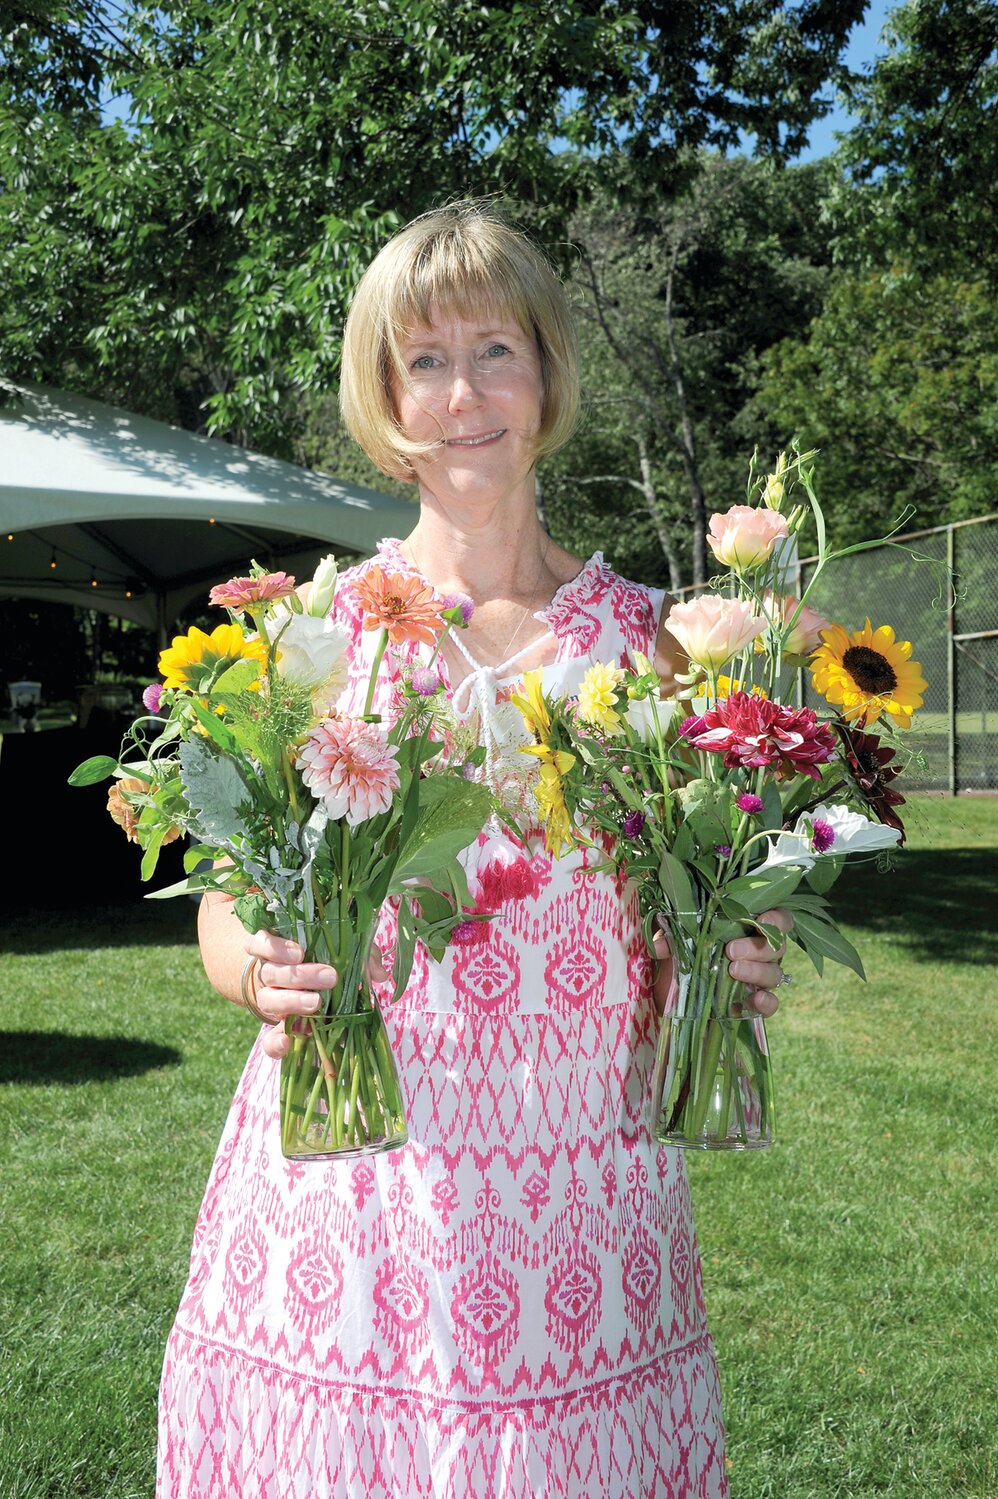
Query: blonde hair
[463,260]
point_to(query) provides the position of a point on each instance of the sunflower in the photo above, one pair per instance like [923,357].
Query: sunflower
[868,673]
[195,660]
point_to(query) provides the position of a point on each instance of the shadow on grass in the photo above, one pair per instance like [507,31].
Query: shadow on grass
[161,923]
[939,902]
[52,1057]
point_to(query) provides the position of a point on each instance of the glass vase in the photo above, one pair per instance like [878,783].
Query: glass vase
[340,1090]
[712,1085]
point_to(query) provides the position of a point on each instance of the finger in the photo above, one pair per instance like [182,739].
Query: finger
[271,948]
[756,949]
[277,1002]
[763,1001]
[316,976]
[757,975]
[779,917]
[376,970]
[275,1042]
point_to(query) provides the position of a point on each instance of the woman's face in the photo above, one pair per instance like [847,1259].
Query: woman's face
[473,389]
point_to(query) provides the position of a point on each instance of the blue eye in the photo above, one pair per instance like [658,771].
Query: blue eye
[498,350]
[424,362]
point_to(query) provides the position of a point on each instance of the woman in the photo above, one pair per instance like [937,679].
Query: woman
[511,1304]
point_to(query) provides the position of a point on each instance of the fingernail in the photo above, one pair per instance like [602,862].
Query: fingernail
[327,978]
[311,1002]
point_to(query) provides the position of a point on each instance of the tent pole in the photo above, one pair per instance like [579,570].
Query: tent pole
[161,634]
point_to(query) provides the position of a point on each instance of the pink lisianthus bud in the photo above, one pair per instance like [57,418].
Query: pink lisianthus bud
[805,636]
[152,695]
[711,630]
[744,536]
[749,802]
[425,681]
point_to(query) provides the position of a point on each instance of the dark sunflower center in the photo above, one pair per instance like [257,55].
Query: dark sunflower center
[871,671]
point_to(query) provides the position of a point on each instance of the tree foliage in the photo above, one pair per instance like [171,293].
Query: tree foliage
[196,261]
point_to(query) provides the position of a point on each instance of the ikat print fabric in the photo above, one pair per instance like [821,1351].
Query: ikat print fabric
[510,1306]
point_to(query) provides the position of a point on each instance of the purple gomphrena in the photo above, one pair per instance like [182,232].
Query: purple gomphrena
[723,849]
[152,695]
[633,823]
[822,836]
[460,601]
[749,802]
[425,681]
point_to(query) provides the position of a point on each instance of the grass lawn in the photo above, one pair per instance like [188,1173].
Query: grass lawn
[850,1273]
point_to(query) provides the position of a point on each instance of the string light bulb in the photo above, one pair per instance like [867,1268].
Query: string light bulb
[93,582]
[53,564]
[211,520]
[10,536]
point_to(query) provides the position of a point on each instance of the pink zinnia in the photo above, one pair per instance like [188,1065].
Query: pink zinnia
[240,593]
[351,767]
[752,731]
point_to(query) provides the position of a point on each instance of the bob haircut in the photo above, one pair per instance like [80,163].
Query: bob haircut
[466,261]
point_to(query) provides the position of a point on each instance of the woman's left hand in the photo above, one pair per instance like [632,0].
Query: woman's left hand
[751,961]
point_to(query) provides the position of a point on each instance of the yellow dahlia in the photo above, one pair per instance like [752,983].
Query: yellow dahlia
[598,698]
[195,659]
[533,705]
[868,673]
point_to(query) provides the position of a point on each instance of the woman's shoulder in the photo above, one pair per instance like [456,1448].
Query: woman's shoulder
[599,602]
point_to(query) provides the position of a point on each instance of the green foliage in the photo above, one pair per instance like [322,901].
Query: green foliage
[199,257]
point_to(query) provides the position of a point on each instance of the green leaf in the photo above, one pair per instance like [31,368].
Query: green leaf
[97,768]
[252,911]
[817,936]
[825,872]
[215,790]
[236,678]
[762,892]
[452,812]
[676,885]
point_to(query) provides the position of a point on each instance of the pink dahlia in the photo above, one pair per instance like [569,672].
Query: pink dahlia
[752,731]
[351,767]
[240,593]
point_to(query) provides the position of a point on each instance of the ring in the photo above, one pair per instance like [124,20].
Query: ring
[247,988]
[786,978]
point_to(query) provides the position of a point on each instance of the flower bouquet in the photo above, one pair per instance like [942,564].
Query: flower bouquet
[310,817]
[730,801]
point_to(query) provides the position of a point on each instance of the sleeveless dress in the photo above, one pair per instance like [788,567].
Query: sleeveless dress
[510,1306]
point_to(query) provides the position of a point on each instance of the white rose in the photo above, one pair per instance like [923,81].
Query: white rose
[312,653]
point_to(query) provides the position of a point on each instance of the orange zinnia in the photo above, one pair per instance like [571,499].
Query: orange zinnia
[405,607]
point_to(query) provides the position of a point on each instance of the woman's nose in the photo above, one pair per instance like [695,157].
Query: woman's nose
[465,392]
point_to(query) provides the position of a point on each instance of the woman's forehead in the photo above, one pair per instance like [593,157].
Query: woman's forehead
[463,322]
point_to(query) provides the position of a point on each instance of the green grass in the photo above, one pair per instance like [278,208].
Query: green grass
[850,1273]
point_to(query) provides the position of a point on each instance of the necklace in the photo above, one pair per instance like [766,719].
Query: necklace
[530,599]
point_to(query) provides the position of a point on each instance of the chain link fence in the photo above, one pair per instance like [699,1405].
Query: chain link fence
[938,589]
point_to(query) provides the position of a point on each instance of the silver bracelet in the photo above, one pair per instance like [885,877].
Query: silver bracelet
[247,988]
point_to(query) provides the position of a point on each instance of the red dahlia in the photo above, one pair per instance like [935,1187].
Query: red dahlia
[752,731]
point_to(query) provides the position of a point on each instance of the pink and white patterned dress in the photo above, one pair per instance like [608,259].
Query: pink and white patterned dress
[510,1305]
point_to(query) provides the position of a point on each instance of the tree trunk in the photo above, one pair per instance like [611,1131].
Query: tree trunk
[651,505]
[687,446]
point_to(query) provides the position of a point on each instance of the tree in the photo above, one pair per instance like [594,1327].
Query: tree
[919,171]
[676,308]
[196,261]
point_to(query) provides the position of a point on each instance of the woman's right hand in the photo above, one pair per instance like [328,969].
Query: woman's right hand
[285,985]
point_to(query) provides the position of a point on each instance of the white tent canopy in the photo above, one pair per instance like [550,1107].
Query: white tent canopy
[140,517]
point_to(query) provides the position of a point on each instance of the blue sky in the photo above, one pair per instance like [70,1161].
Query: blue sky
[863,49]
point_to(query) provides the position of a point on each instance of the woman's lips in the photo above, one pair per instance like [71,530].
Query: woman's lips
[479,441]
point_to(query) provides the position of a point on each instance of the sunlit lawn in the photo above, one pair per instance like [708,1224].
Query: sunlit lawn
[851,1275]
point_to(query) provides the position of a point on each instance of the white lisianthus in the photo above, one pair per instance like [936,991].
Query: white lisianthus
[312,653]
[320,595]
[640,712]
[854,833]
[789,848]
